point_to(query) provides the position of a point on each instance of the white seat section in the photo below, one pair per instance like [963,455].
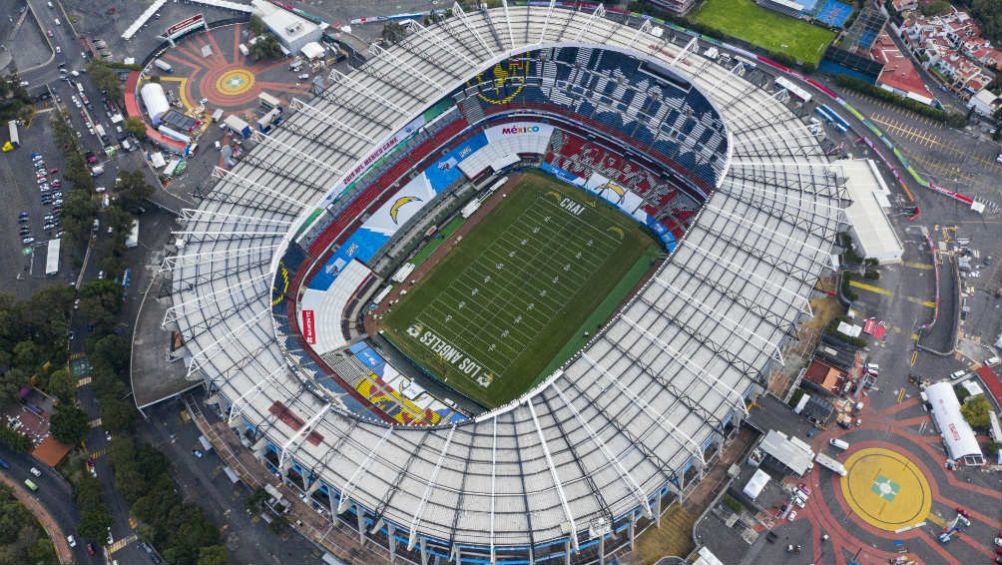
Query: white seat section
[324,309]
[504,145]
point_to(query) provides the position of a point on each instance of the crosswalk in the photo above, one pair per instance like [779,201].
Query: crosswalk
[119,544]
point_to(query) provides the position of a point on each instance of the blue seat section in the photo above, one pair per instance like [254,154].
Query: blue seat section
[286,272]
[362,245]
[644,100]
[445,171]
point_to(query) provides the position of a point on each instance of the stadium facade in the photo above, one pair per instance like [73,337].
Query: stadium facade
[629,424]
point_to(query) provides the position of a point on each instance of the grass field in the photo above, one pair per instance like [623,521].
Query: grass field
[746,20]
[500,307]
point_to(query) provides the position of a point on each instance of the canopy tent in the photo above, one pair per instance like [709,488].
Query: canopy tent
[756,484]
[961,443]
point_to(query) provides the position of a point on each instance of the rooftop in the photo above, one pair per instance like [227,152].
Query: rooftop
[899,72]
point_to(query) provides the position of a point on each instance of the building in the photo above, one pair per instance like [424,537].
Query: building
[985,103]
[867,214]
[674,7]
[293,31]
[951,48]
[788,454]
[825,378]
[961,443]
[899,74]
[786,7]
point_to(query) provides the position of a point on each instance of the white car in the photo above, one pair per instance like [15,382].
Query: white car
[59,50]
[792,516]
[71,540]
[34,471]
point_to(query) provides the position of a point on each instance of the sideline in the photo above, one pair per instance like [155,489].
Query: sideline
[56,535]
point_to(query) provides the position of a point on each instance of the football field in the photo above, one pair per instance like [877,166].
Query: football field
[495,311]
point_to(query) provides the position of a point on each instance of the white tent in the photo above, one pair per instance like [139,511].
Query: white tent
[313,50]
[756,484]
[961,444]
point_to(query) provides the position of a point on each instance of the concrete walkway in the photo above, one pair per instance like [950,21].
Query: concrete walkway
[55,534]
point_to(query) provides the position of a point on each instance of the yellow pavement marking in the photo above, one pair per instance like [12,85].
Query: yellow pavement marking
[886,489]
[920,302]
[182,83]
[98,454]
[185,417]
[922,266]
[936,520]
[914,357]
[871,288]
[915,337]
[119,544]
[84,382]
[901,395]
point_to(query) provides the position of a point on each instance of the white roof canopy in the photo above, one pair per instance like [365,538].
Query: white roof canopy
[957,433]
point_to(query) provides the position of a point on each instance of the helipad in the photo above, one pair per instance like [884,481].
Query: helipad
[886,489]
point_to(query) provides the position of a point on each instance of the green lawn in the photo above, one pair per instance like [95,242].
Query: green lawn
[746,20]
[502,305]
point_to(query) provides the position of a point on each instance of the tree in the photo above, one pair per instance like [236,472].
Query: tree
[976,410]
[135,126]
[11,383]
[266,47]
[278,525]
[62,384]
[116,414]
[935,8]
[131,191]
[15,440]
[212,555]
[105,78]
[112,350]
[94,523]
[101,301]
[79,211]
[69,424]
[256,26]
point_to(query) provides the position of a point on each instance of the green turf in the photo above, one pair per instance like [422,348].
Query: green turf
[746,20]
[604,311]
[499,308]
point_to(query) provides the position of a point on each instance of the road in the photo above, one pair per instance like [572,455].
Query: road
[74,58]
[54,494]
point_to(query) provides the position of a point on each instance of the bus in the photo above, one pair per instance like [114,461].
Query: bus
[31,485]
[15,140]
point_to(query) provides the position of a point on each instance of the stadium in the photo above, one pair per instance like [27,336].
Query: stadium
[572,142]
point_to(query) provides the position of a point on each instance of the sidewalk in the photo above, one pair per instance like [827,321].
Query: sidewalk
[57,536]
[333,537]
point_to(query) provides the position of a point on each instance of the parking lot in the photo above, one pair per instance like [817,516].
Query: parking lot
[20,190]
[960,160]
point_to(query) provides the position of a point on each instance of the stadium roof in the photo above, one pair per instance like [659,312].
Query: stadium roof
[622,422]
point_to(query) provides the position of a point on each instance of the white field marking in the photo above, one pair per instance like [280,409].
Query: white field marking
[500,305]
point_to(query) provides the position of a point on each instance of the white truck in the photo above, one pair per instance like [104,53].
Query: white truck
[163,65]
[831,464]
